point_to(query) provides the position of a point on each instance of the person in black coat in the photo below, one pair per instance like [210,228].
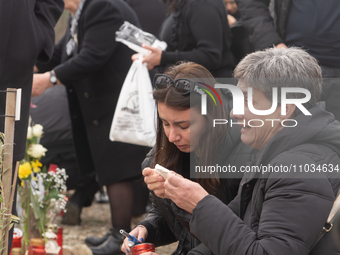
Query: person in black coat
[25,37]
[151,14]
[197,31]
[27,34]
[312,25]
[93,66]
[288,191]
[186,139]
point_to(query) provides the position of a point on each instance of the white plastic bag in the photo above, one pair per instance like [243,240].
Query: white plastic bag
[134,118]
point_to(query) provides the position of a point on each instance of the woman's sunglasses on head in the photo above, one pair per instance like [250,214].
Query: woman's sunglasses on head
[182,86]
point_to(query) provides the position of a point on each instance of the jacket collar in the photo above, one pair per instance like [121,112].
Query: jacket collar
[320,128]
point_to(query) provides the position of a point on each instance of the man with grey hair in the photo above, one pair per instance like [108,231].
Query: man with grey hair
[282,68]
[287,192]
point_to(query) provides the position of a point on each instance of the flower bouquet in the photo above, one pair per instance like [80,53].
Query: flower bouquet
[41,191]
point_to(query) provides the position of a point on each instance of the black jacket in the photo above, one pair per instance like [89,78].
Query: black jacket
[280,213]
[266,21]
[198,31]
[93,77]
[26,29]
[151,14]
[167,223]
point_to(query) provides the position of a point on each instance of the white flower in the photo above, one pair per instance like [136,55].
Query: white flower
[37,130]
[29,133]
[36,150]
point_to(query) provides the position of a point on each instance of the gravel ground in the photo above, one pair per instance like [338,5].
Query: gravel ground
[95,222]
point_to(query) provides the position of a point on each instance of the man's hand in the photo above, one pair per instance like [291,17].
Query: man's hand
[183,192]
[41,82]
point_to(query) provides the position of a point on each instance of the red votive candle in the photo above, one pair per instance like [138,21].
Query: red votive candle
[60,239]
[142,248]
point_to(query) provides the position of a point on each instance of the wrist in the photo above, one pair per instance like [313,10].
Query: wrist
[53,78]
[143,227]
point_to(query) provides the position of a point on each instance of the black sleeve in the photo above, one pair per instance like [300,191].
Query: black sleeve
[101,22]
[256,16]
[206,27]
[47,13]
[159,232]
[234,205]
[286,224]
[56,57]
[200,249]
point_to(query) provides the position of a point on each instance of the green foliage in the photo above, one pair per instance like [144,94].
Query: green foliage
[6,219]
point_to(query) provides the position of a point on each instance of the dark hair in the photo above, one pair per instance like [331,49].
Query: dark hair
[167,154]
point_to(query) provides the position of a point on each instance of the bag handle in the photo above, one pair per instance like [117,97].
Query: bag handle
[330,220]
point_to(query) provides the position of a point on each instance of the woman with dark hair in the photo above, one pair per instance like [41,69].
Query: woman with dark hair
[197,31]
[185,138]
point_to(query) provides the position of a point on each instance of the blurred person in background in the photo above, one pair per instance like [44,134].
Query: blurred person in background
[312,25]
[197,31]
[25,37]
[151,14]
[93,66]
[233,13]
[240,42]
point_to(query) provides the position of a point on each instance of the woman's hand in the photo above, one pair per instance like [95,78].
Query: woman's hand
[154,181]
[183,192]
[152,59]
[140,232]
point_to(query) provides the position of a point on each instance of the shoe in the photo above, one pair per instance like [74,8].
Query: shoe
[111,246]
[72,215]
[101,197]
[96,241]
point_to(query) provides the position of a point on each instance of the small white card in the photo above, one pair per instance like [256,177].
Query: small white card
[18,105]
[162,171]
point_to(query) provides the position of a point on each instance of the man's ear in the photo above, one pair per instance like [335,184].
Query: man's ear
[290,111]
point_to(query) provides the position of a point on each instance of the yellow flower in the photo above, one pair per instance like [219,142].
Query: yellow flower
[22,184]
[36,166]
[25,170]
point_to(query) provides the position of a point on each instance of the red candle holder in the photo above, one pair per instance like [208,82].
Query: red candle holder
[142,248]
[60,239]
